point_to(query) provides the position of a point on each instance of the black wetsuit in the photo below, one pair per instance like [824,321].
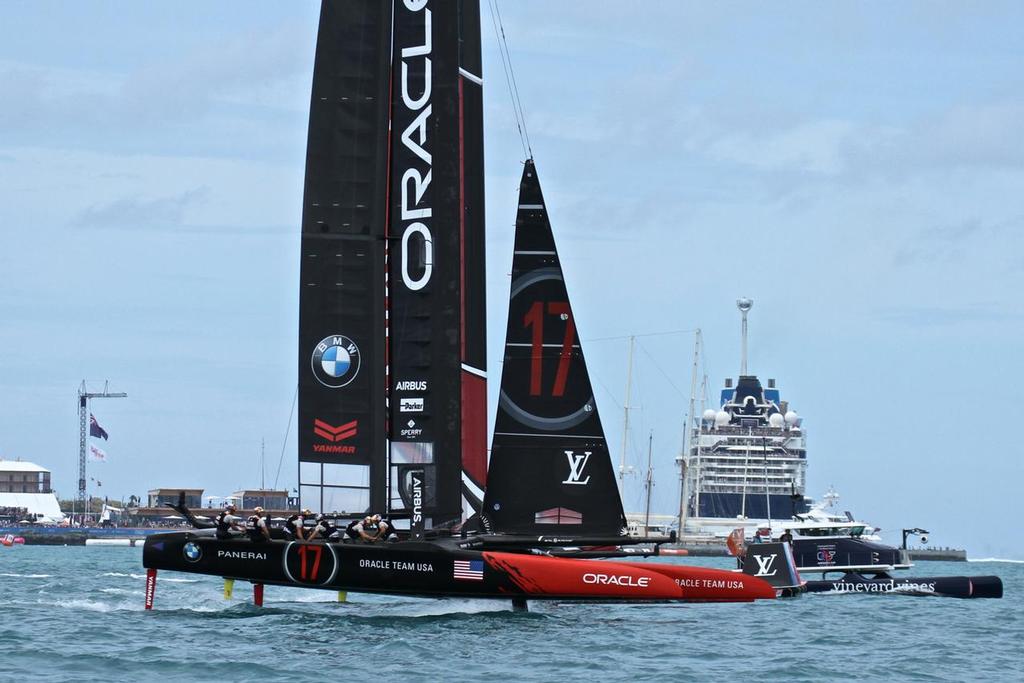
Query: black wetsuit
[223,526]
[325,529]
[292,525]
[352,534]
[255,530]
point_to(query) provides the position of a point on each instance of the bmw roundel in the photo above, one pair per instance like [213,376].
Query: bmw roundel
[335,361]
[192,552]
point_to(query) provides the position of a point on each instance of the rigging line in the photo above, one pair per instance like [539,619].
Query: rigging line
[646,334]
[287,431]
[608,391]
[515,86]
[508,80]
[662,371]
[504,66]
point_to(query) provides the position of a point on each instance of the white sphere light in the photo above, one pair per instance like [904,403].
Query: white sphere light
[709,415]
[776,420]
[721,418]
[792,417]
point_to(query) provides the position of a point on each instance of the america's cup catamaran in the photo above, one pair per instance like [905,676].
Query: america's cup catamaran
[392,381]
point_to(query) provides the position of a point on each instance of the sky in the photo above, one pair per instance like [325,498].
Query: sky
[855,168]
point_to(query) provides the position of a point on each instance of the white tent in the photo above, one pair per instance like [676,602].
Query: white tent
[44,504]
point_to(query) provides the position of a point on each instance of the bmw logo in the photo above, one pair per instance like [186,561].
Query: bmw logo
[335,361]
[192,552]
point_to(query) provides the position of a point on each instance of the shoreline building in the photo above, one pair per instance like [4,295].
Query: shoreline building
[25,486]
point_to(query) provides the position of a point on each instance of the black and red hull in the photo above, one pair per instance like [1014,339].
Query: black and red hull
[442,569]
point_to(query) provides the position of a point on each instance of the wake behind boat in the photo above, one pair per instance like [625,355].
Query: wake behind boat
[392,381]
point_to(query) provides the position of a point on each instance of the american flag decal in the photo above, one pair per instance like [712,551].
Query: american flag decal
[469,570]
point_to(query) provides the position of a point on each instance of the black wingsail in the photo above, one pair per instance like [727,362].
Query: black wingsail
[392,387]
[438,413]
[550,471]
[342,453]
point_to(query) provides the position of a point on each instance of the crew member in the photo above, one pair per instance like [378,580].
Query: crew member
[385,529]
[228,524]
[363,530]
[323,529]
[786,537]
[256,527]
[293,527]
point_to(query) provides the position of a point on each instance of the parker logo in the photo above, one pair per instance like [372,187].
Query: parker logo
[334,434]
[765,564]
[410,405]
[577,462]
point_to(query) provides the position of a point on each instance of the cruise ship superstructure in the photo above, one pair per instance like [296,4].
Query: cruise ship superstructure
[747,459]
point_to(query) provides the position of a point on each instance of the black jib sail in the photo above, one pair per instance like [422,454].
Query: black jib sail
[550,471]
[391,331]
[342,386]
[436,327]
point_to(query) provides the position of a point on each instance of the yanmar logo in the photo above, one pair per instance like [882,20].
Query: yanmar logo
[241,555]
[616,580]
[334,434]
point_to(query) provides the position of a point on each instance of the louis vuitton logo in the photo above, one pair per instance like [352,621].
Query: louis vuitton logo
[577,463]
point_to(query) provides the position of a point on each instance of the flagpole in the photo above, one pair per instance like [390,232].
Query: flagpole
[83,418]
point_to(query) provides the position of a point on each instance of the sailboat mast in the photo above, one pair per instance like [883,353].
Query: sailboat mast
[697,477]
[625,415]
[688,425]
[650,483]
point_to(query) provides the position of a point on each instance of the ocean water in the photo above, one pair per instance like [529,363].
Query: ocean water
[76,614]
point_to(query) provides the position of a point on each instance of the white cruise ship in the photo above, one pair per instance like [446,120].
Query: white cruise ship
[746,462]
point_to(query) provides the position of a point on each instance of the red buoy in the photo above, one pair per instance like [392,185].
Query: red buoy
[257,594]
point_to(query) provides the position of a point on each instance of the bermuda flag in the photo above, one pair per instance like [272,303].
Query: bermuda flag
[95,429]
[98,453]
[469,570]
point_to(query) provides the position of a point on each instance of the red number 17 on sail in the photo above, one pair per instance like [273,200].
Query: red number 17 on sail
[535,318]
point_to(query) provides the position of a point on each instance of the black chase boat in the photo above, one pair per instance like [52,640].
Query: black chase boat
[392,410]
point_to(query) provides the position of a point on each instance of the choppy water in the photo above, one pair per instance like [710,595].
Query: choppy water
[77,614]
